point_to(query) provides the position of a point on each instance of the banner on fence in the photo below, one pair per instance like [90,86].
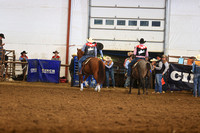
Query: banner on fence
[43,70]
[180,77]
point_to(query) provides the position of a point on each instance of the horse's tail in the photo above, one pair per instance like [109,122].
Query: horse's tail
[101,72]
[148,65]
[149,74]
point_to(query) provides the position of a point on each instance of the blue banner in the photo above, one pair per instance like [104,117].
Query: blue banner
[43,71]
[33,70]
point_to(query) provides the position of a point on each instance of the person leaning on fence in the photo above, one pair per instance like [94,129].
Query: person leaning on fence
[23,58]
[56,56]
[109,71]
[158,75]
[164,73]
[71,69]
[126,62]
[196,71]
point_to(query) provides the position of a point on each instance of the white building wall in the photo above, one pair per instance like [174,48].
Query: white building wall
[36,26]
[184,29]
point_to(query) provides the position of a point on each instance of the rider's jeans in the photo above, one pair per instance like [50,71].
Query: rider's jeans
[81,60]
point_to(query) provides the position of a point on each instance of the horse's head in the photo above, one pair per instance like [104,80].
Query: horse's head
[80,53]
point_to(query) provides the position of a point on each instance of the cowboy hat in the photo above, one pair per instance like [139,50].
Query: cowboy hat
[153,60]
[90,40]
[164,56]
[142,41]
[130,53]
[198,57]
[23,52]
[74,55]
[56,52]
[99,46]
[2,35]
[108,58]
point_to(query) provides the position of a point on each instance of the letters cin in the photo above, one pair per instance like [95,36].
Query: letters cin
[182,76]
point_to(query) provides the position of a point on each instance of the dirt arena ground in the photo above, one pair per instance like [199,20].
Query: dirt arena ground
[59,108]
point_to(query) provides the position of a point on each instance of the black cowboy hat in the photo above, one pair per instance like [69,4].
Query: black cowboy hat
[24,52]
[159,55]
[56,52]
[142,41]
[2,35]
[99,46]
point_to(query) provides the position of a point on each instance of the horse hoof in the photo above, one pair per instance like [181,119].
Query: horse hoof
[81,89]
[129,92]
[146,93]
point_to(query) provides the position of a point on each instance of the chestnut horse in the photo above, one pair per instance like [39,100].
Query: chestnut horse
[142,73]
[95,67]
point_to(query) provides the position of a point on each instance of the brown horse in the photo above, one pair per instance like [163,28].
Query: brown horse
[142,73]
[95,67]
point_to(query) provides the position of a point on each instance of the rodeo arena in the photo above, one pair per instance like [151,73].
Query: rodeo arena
[99,66]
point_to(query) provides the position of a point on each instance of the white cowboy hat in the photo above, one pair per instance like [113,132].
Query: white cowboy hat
[108,58]
[74,55]
[90,40]
[198,57]
[153,60]
[130,53]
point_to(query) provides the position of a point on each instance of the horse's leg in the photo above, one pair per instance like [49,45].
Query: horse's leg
[96,78]
[98,87]
[130,85]
[143,85]
[86,84]
[147,84]
[139,84]
[81,79]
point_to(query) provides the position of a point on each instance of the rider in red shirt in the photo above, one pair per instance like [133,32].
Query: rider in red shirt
[140,52]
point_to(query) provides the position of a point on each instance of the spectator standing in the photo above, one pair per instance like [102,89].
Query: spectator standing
[23,58]
[2,52]
[153,63]
[158,75]
[196,71]
[2,37]
[165,72]
[56,56]
[71,69]
[109,71]
[126,62]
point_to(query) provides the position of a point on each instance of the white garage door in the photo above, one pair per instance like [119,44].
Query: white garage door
[119,24]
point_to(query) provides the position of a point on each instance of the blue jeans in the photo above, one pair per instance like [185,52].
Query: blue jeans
[196,85]
[81,60]
[111,72]
[158,84]
[131,64]
[127,82]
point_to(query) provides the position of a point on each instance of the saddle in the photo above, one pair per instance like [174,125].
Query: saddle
[136,63]
[84,63]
